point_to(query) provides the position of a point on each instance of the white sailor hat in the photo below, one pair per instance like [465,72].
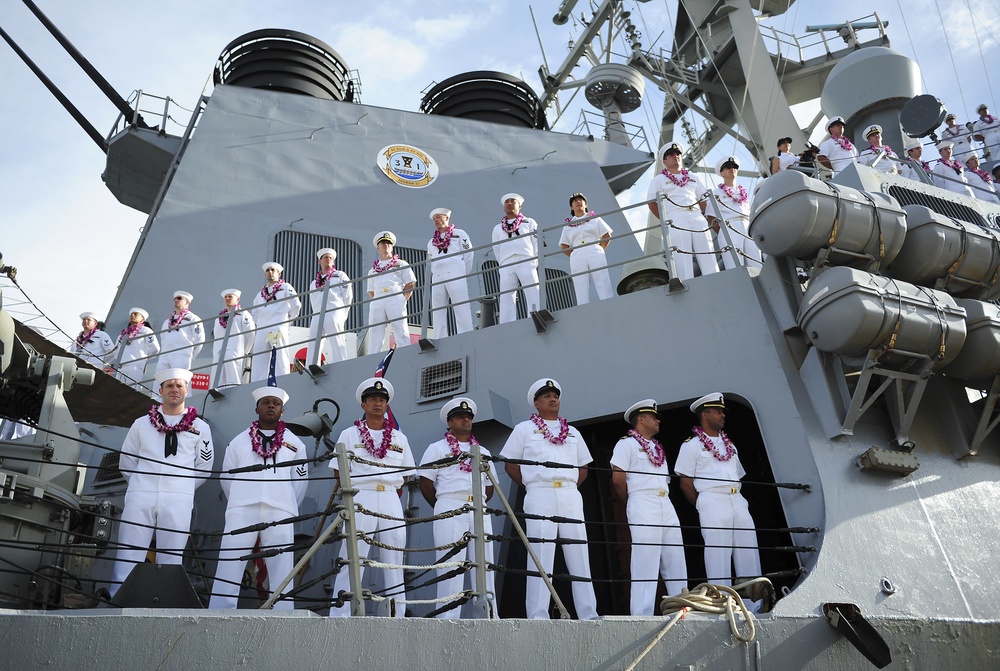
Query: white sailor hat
[172,374]
[273,264]
[972,156]
[88,315]
[440,210]
[543,386]
[713,400]
[836,119]
[724,160]
[874,128]
[145,315]
[227,292]
[671,146]
[263,392]
[326,250]
[945,144]
[372,386]
[458,406]
[387,236]
[982,107]
[645,405]
[516,196]
[185,295]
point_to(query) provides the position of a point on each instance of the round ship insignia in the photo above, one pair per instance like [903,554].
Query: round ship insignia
[407,166]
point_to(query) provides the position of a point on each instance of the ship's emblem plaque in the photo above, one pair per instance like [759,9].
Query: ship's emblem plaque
[407,166]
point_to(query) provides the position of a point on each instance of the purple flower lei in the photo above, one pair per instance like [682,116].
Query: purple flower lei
[573,222]
[985,176]
[85,337]
[224,315]
[709,445]
[953,164]
[844,143]
[875,148]
[544,429]
[366,438]
[651,447]
[322,278]
[511,227]
[269,294]
[176,318]
[160,424]
[442,241]
[683,181]
[393,262]
[457,451]
[276,442]
[130,331]
[743,195]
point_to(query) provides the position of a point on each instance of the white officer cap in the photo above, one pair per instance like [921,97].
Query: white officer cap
[645,405]
[273,264]
[458,406]
[173,374]
[145,315]
[326,250]
[671,146]
[910,142]
[713,400]
[185,295]
[542,386]
[384,236]
[372,386]
[836,119]
[945,144]
[950,116]
[874,128]
[516,196]
[88,315]
[724,160]
[982,107]
[264,392]
[234,292]
[440,210]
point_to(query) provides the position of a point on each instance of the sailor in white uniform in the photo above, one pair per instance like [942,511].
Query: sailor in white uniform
[552,492]
[915,162]
[339,297]
[836,152]
[584,239]
[980,180]
[959,135]
[450,258]
[948,173]
[182,335]
[875,150]
[139,344]
[785,158]
[449,488]
[641,476]
[92,344]
[261,496]
[390,284]
[274,307]
[515,246]
[734,201]
[986,129]
[379,486]
[238,345]
[162,452]
[710,473]
[689,230]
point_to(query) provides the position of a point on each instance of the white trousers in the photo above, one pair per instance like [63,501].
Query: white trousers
[656,550]
[566,502]
[458,292]
[730,537]
[231,372]
[590,258]
[751,256]
[450,530]
[229,573]
[690,232]
[335,346]
[392,310]
[389,532]
[261,361]
[169,512]
[526,274]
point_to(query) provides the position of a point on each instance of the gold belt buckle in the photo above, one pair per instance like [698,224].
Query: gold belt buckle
[557,484]
[379,488]
[662,492]
[470,499]
[733,490]
[385,290]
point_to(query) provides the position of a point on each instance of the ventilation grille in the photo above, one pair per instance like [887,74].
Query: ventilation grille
[108,472]
[443,379]
[296,251]
[941,206]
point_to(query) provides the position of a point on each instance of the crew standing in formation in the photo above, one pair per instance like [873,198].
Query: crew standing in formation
[584,239]
[339,292]
[390,285]
[517,257]
[232,352]
[92,344]
[274,308]
[139,345]
[734,201]
[181,337]
[450,257]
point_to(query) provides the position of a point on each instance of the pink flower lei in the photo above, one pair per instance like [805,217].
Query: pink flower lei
[322,278]
[269,294]
[393,262]
[177,318]
[572,221]
[224,315]
[709,444]
[130,331]
[544,429]
[257,443]
[953,164]
[160,424]
[885,147]
[442,241]
[651,447]
[509,228]
[741,198]
[989,118]
[457,451]
[366,438]
[844,143]
[683,181]
[85,337]
[985,176]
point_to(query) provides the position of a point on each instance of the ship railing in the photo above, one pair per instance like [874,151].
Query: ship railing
[590,121]
[815,43]
[147,109]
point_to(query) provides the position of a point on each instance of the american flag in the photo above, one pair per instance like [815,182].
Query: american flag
[380,371]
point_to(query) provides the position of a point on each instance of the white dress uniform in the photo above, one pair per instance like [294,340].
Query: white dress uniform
[94,349]
[338,307]
[839,157]
[453,262]
[377,487]
[736,211]
[989,128]
[391,308]
[985,188]
[942,171]
[786,160]
[239,345]
[135,353]
[517,257]
[453,489]
[590,258]
[553,492]
[160,492]
[181,344]
[255,497]
[910,172]
[690,230]
[727,528]
[272,317]
[657,545]
[886,164]
[961,139]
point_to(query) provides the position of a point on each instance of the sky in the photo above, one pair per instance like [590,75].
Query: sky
[71,240]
